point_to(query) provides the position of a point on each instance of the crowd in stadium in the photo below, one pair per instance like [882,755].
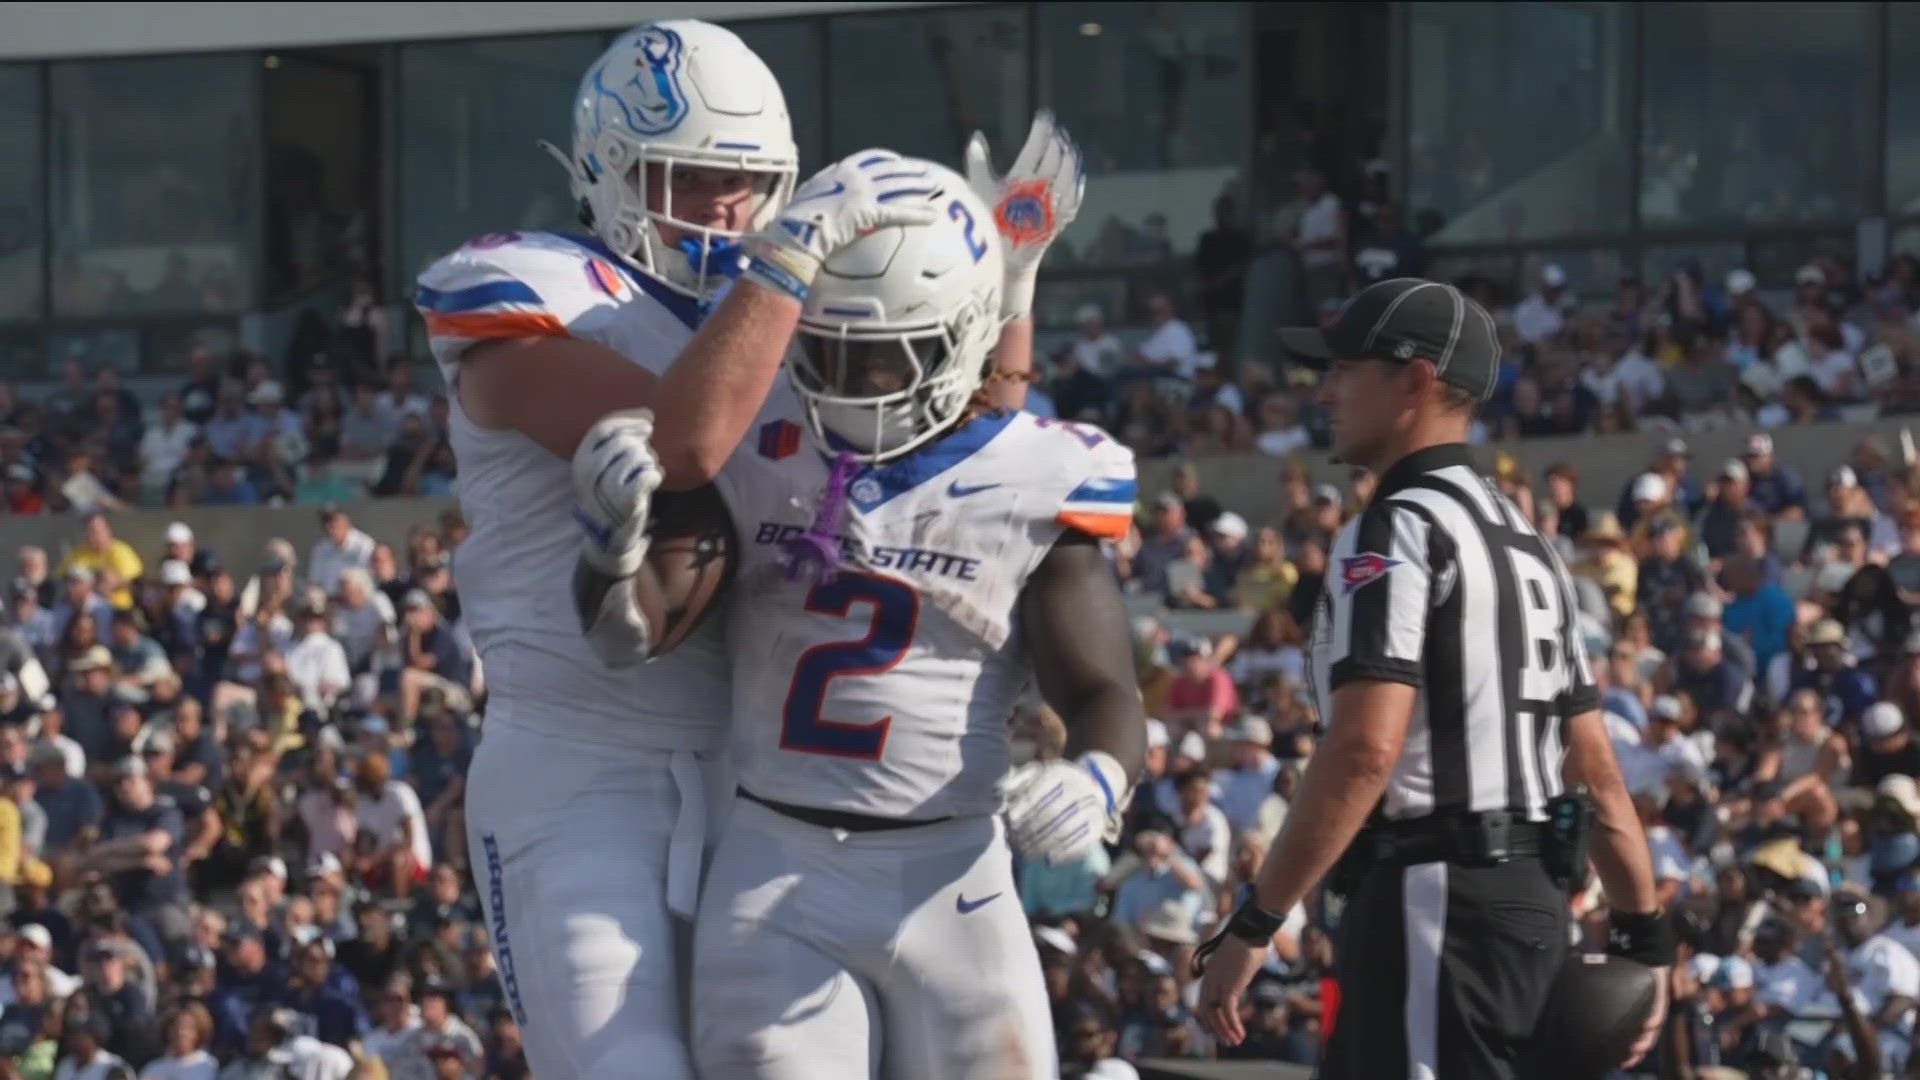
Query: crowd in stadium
[232,832]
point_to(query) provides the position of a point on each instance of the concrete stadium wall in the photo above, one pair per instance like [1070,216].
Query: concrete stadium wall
[1247,483]
[1250,483]
[237,535]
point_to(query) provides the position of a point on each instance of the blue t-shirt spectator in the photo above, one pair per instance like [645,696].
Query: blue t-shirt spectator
[1763,617]
[1846,691]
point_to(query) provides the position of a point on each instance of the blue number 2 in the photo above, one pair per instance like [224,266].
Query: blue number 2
[896,611]
[959,210]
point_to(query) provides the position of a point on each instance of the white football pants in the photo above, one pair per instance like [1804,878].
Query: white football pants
[580,853]
[901,954]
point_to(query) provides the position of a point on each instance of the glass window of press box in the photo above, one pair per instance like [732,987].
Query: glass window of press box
[1157,97]
[154,193]
[1755,114]
[470,118]
[22,220]
[1517,120]
[1903,110]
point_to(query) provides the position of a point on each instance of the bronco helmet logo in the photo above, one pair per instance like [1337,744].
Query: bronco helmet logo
[650,100]
[1025,213]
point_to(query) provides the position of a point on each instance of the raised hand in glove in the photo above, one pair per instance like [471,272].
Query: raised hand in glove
[1032,204]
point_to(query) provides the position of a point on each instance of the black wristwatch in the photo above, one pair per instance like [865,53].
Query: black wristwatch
[1643,936]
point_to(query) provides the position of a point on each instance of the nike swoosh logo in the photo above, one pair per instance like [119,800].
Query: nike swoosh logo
[957,490]
[963,905]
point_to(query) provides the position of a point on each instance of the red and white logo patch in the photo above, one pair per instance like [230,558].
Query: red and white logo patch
[1359,570]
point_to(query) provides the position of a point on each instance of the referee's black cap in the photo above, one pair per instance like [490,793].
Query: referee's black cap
[1404,319]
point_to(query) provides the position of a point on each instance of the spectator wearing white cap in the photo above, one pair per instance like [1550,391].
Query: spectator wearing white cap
[1227,537]
[1243,785]
[1145,810]
[1094,348]
[1849,503]
[184,603]
[1775,488]
[1190,753]
[1542,314]
[1887,747]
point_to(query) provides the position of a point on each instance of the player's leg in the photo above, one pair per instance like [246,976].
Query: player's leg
[771,1000]
[569,851]
[964,998]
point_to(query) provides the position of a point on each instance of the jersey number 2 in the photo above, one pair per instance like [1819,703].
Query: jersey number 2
[896,611]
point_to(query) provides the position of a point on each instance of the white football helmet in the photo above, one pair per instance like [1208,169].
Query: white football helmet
[899,326]
[675,94]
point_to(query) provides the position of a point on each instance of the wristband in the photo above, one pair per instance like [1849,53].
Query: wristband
[1643,936]
[772,275]
[1250,923]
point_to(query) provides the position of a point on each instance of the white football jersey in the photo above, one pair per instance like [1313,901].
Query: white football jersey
[514,569]
[887,690]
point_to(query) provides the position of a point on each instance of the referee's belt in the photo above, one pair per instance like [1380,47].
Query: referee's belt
[1485,838]
[833,819]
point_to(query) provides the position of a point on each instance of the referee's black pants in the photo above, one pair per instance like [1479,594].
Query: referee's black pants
[1444,970]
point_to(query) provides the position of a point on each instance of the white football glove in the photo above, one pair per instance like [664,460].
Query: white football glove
[1061,810]
[873,189]
[614,475]
[1037,199]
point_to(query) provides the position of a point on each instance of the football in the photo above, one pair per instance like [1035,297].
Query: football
[1593,1014]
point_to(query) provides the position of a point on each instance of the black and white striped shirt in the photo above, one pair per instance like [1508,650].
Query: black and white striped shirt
[1442,584]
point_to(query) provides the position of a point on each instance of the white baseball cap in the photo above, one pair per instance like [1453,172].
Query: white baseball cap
[179,533]
[1735,974]
[1881,720]
[1192,747]
[1740,282]
[1232,525]
[1251,729]
[1650,487]
[37,934]
[1552,276]
[267,393]
[1157,738]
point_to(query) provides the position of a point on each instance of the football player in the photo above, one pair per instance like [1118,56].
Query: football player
[586,804]
[902,557]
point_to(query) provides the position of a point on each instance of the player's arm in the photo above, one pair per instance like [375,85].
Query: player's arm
[689,563]
[1077,628]
[553,388]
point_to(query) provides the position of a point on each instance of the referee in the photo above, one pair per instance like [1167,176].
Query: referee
[1457,705]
